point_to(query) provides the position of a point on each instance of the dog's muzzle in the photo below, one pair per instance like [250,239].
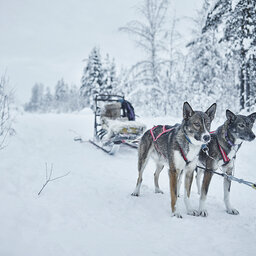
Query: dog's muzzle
[252,137]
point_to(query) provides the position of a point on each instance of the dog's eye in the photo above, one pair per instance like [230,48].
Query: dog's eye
[197,125]
[241,126]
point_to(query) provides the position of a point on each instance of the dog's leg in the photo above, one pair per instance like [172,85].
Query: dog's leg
[159,168]
[179,182]
[145,150]
[173,175]
[227,186]
[198,180]
[204,190]
[187,190]
[141,167]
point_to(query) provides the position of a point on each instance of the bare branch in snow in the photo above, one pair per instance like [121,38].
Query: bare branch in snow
[49,178]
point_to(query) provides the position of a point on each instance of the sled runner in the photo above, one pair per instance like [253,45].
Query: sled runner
[114,124]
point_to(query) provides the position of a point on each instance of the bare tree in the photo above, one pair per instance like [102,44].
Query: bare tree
[149,33]
[175,61]
[5,115]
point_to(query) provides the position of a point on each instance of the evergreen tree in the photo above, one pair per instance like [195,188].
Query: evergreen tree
[92,79]
[65,99]
[211,73]
[35,103]
[61,96]
[238,22]
[107,86]
[109,76]
[113,76]
[47,103]
[240,33]
[74,99]
[219,13]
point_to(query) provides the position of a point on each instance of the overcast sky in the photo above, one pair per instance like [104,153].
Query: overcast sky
[43,41]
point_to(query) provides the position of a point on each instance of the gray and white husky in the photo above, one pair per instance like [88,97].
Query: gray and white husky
[222,150]
[177,146]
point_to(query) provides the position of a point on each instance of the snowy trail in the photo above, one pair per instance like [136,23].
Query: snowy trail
[90,212]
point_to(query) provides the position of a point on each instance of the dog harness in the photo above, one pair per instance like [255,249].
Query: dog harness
[160,134]
[183,155]
[223,153]
[164,130]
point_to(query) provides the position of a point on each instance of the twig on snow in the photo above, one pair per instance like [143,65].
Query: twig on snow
[49,178]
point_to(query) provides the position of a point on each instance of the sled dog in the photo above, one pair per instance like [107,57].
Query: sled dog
[177,146]
[222,149]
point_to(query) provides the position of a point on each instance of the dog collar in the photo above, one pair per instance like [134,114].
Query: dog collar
[186,136]
[229,141]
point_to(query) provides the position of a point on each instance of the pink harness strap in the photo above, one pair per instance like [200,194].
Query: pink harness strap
[165,131]
[160,134]
[223,153]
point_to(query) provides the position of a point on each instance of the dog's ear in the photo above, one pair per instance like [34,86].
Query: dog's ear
[252,117]
[187,111]
[230,115]
[211,111]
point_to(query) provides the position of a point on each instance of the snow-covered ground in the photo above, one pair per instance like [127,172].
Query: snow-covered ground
[90,212]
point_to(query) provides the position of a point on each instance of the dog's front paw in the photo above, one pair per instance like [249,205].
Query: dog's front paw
[193,212]
[177,214]
[158,191]
[203,213]
[135,194]
[232,211]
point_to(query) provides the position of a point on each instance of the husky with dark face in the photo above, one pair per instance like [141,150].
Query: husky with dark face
[223,147]
[177,146]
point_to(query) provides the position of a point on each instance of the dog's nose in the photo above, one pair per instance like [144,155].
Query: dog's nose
[206,138]
[252,136]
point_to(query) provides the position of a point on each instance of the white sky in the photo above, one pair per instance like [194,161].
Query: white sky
[43,40]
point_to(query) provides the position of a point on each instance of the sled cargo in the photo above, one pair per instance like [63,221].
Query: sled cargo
[114,124]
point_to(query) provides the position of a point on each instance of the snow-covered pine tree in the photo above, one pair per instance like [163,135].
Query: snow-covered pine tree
[74,99]
[205,65]
[35,103]
[47,102]
[113,76]
[92,79]
[61,96]
[109,76]
[122,83]
[251,81]
[240,32]
[237,20]
[217,14]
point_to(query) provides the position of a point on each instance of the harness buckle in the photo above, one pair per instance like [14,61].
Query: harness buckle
[205,148]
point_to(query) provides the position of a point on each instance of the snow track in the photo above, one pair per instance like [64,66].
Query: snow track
[91,213]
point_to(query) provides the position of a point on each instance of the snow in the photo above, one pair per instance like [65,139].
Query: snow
[234,3]
[90,211]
